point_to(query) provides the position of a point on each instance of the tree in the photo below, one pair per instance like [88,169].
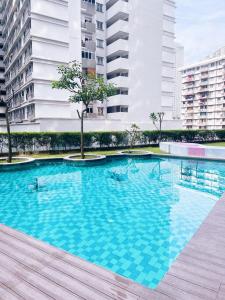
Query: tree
[157,120]
[6,106]
[133,135]
[83,88]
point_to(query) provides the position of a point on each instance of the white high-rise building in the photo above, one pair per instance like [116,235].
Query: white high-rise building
[203,98]
[178,81]
[127,42]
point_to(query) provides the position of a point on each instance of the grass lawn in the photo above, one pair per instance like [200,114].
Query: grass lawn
[219,144]
[106,152]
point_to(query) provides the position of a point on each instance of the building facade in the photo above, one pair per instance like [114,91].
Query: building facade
[203,98]
[128,43]
[178,81]
[2,77]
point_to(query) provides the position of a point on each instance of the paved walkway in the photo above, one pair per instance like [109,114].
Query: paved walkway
[31,269]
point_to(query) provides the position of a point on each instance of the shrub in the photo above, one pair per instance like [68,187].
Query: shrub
[103,139]
[52,141]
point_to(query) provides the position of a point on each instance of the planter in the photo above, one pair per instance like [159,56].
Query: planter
[135,153]
[89,158]
[15,161]
[17,164]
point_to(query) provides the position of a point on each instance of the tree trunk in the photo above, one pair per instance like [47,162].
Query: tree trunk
[81,117]
[9,160]
[82,135]
[160,131]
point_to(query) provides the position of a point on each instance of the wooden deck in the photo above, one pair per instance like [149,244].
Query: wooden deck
[31,269]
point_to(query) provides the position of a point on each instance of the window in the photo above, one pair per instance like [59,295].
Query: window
[88,55]
[89,1]
[99,7]
[99,25]
[122,91]
[100,60]
[100,43]
[90,110]
[117,109]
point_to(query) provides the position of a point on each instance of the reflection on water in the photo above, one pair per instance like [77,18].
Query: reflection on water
[121,173]
[199,176]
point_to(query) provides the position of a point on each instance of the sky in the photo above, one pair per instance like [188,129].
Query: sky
[200,27]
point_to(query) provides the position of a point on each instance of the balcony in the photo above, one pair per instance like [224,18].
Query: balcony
[116,47]
[2,76]
[118,64]
[189,78]
[88,27]
[205,75]
[89,45]
[203,89]
[118,100]
[120,81]
[117,12]
[89,8]
[110,3]
[188,93]
[119,30]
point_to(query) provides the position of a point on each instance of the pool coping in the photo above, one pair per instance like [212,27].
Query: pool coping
[189,157]
[24,160]
[199,270]
[104,158]
[86,159]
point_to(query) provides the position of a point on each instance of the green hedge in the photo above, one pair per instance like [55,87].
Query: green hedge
[63,141]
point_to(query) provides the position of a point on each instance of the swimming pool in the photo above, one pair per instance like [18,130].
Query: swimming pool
[130,215]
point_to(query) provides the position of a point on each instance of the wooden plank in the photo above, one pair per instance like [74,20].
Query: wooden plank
[176,293]
[75,261]
[203,255]
[28,253]
[19,287]
[198,279]
[67,284]
[7,294]
[44,285]
[188,287]
[202,264]
[197,270]
[221,293]
[210,248]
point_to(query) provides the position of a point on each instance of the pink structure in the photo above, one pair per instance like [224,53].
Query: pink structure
[194,150]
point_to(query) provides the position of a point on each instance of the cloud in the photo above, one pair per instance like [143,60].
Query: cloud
[200,27]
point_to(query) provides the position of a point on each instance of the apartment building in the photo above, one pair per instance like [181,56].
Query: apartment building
[36,39]
[127,42]
[2,80]
[178,80]
[203,97]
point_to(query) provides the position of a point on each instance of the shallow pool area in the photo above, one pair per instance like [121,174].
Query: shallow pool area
[132,216]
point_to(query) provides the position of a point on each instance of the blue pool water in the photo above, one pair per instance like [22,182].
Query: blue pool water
[131,216]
